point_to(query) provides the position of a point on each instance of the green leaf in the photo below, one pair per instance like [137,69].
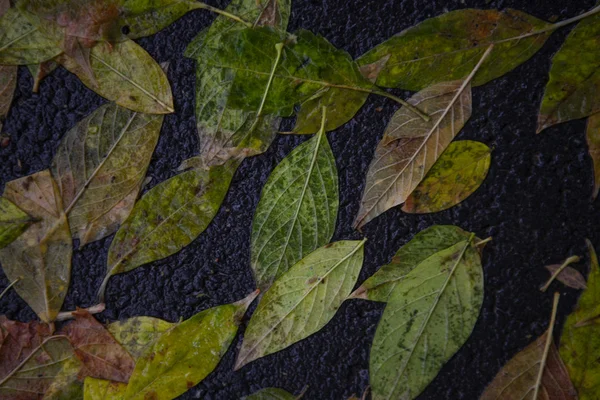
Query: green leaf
[271,394]
[458,173]
[13,222]
[138,333]
[40,259]
[303,300]
[447,47]
[126,74]
[423,245]
[410,146]
[100,167]
[8,83]
[572,91]
[429,316]
[593,141]
[580,343]
[22,43]
[297,210]
[100,389]
[66,384]
[168,217]
[147,17]
[186,354]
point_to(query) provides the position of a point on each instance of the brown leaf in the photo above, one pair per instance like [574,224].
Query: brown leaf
[4,6]
[101,355]
[569,276]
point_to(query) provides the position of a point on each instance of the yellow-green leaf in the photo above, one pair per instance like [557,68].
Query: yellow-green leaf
[40,259]
[138,333]
[593,141]
[303,300]
[101,389]
[13,222]
[458,173]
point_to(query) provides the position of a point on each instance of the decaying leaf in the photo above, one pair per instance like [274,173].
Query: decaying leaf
[447,47]
[458,173]
[580,342]
[572,91]
[138,333]
[100,389]
[41,257]
[186,354]
[297,211]
[8,83]
[67,384]
[13,222]
[168,217]
[31,358]
[423,245]
[593,141]
[271,394]
[303,300]
[126,74]
[100,354]
[100,167]
[411,146]
[428,317]
[567,275]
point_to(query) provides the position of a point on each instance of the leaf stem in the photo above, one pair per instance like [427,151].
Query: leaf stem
[484,241]
[567,262]
[397,99]
[9,286]
[538,381]
[223,13]
[95,309]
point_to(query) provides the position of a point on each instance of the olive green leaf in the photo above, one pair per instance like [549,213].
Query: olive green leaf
[186,354]
[39,71]
[297,210]
[168,217]
[271,394]
[40,259]
[458,173]
[100,167]
[447,47]
[22,43]
[580,343]
[411,146]
[423,245]
[536,372]
[428,317]
[126,74]
[593,141]
[571,92]
[138,333]
[13,222]
[66,384]
[303,300]
[100,389]
[8,83]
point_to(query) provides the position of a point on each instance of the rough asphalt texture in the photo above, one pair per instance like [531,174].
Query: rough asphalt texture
[536,203]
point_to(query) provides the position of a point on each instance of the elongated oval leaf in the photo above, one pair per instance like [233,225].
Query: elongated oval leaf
[593,141]
[13,222]
[302,300]
[580,343]
[448,46]
[428,317]
[100,167]
[458,173]
[271,394]
[40,259]
[8,83]
[126,74]
[411,146]
[100,389]
[186,354]
[297,211]
[423,245]
[572,91]
[569,276]
[138,333]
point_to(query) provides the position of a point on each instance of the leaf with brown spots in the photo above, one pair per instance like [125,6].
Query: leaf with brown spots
[138,333]
[100,389]
[40,259]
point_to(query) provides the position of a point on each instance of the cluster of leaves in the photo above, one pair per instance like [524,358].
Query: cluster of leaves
[251,73]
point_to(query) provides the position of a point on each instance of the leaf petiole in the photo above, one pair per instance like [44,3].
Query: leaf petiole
[95,309]
[565,264]
[224,13]
[9,286]
[538,381]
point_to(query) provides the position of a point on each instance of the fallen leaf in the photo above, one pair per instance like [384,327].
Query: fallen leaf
[40,71]
[447,47]
[297,210]
[423,245]
[126,74]
[186,354]
[8,83]
[428,317]
[66,384]
[100,167]
[571,92]
[568,276]
[580,343]
[168,217]
[303,300]
[271,394]
[31,358]
[41,257]
[458,173]
[13,222]
[593,141]
[4,6]
[100,389]
[138,333]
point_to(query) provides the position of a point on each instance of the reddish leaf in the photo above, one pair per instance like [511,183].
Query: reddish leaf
[569,276]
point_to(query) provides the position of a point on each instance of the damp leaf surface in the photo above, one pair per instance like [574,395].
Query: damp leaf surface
[13,222]
[428,317]
[459,171]
[593,141]
[40,259]
[101,389]
[303,300]
[138,333]
[100,167]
